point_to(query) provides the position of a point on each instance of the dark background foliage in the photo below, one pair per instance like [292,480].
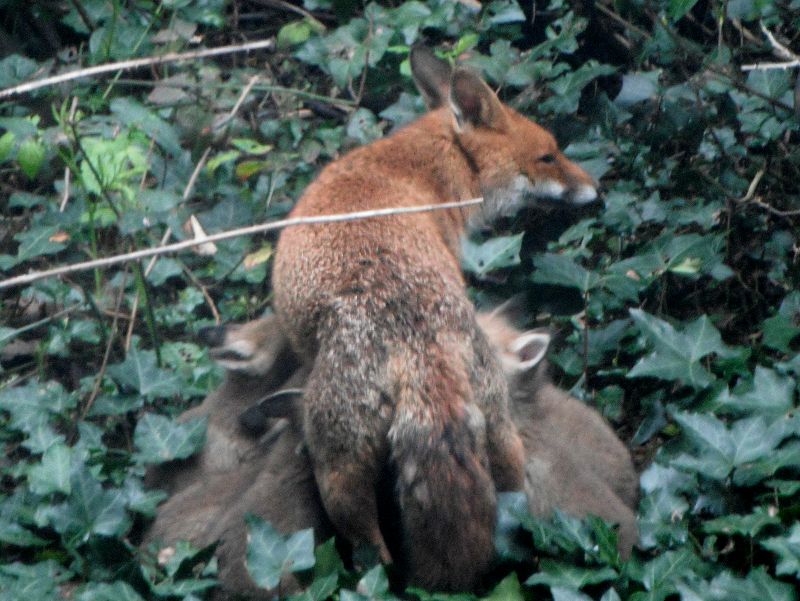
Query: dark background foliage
[675,306]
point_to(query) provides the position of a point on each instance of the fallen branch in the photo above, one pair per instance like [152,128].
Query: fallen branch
[791,61]
[136,63]
[244,231]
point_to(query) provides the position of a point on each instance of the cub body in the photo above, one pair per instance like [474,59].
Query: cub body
[256,348]
[575,462]
[401,375]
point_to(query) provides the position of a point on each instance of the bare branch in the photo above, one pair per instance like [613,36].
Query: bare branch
[244,231]
[769,66]
[778,49]
[170,57]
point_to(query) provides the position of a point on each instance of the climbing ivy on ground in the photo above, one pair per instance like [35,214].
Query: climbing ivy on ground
[674,304]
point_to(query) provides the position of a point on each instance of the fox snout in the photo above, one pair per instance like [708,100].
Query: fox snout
[553,190]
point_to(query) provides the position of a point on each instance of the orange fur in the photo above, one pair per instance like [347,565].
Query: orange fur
[401,374]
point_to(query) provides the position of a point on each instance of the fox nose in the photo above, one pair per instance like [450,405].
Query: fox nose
[584,194]
[212,336]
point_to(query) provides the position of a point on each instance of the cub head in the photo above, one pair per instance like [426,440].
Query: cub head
[517,161]
[251,348]
[521,354]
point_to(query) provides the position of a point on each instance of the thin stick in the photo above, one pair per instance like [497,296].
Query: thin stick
[627,24]
[136,63]
[239,101]
[778,49]
[67,171]
[769,66]
[167,234]
[282,4]
[101,374]
[244,231]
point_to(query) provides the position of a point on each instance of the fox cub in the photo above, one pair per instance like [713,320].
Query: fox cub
[401,374]
[575,461]
[253,348]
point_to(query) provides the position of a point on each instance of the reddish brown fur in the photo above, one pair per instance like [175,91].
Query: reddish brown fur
[275,479]
[378,307]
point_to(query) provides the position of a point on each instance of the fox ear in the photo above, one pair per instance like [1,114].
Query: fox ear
[473,102]
[431,76]
[529,349]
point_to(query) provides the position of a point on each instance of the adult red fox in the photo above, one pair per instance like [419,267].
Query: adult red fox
[401,375]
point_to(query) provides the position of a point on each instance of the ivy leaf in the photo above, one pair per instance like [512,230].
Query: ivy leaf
[565,594]
[140,372]
[787,548]
[638,87]
[720,450]
[778,332]
[53,473]
[15,69]
[660,575]
[374,583]
[557,574]
[6,145]
[677,354]
[508,589]
[140,500]
[161,439]
[101,591]
[511,506]
[269,556]
[37,241]
[32,582]
[496,253]
[788,456]
[30,156]
[744,525]
[678,8]
[13,533]
[782,328]
[769,394]
[134,114]
[560,270]
[90,510]
[567,88]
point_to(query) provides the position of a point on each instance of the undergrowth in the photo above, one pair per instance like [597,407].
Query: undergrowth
[675,305]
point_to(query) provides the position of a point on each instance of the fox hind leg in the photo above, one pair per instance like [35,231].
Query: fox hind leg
[346,420]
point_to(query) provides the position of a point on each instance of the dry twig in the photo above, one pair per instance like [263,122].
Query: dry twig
[791,61]
[170,57]
[244,231]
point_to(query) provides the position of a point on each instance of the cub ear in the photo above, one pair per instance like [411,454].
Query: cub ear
[431,76]
[529,349]
[474,103]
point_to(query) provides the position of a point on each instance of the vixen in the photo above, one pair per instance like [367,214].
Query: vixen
[401,375]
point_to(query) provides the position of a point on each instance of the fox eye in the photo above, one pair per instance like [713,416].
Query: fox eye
[548,158]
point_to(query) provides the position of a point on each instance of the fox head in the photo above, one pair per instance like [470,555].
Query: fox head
[251,348]
[516,161]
